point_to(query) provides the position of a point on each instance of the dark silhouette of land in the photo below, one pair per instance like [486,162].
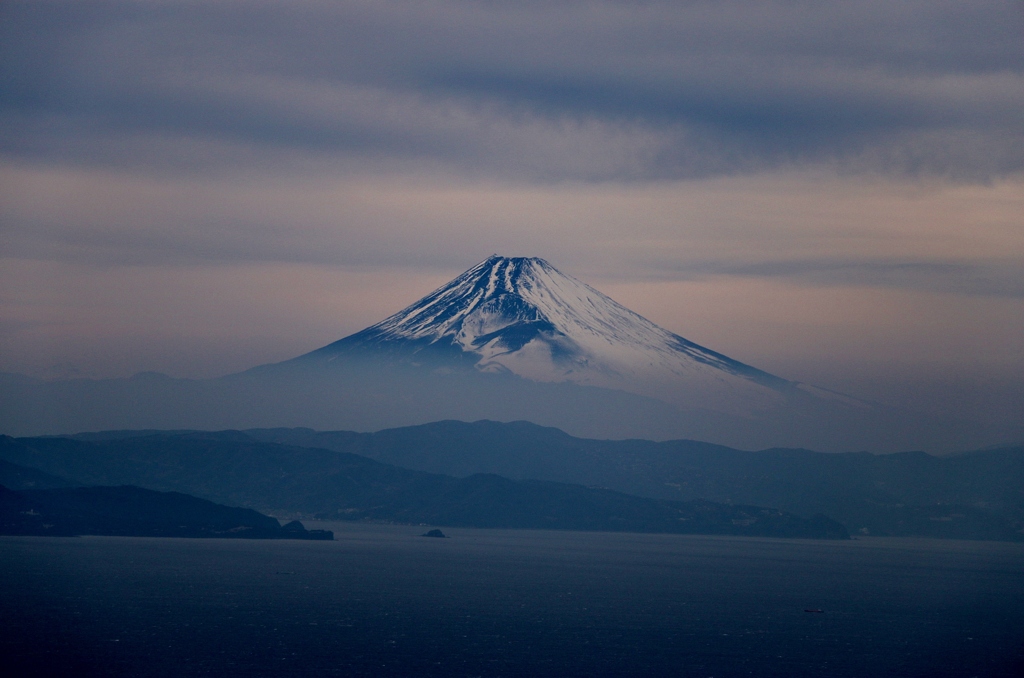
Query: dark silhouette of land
[232,468]
[490,474]
[129,511]
[974,495]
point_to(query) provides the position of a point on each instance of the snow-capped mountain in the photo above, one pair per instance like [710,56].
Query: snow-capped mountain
[524,316]
[510,339]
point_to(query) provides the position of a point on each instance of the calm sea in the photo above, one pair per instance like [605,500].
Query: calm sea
[383,601]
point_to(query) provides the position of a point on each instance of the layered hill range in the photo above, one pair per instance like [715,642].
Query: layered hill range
[522,316]
[510,339]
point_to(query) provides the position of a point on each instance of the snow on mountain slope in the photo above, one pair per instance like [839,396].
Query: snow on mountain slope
[524,316]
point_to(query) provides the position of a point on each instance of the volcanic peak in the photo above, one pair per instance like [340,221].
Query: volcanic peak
[521,314]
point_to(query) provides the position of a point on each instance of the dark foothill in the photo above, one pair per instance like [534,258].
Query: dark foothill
[129,511]
[435,533]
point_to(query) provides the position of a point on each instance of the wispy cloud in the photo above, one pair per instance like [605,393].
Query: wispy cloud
[531,91]
[745,163]
[967,277]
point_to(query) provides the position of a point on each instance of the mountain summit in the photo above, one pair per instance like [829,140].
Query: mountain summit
[510,339]
[523,316]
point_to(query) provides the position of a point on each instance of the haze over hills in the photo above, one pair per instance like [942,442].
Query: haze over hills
[232,468]
[519,474]
[976,495]
[509,339]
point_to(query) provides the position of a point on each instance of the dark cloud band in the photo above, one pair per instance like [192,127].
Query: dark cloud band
[631,91]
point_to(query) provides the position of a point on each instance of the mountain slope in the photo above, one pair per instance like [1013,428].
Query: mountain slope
[523,316]
[232,468]
[136,512]
[16,477]
[979,495]
[510,339]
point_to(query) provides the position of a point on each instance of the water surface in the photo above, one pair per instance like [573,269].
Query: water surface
[383,601]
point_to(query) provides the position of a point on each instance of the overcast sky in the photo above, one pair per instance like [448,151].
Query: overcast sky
[830,191]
